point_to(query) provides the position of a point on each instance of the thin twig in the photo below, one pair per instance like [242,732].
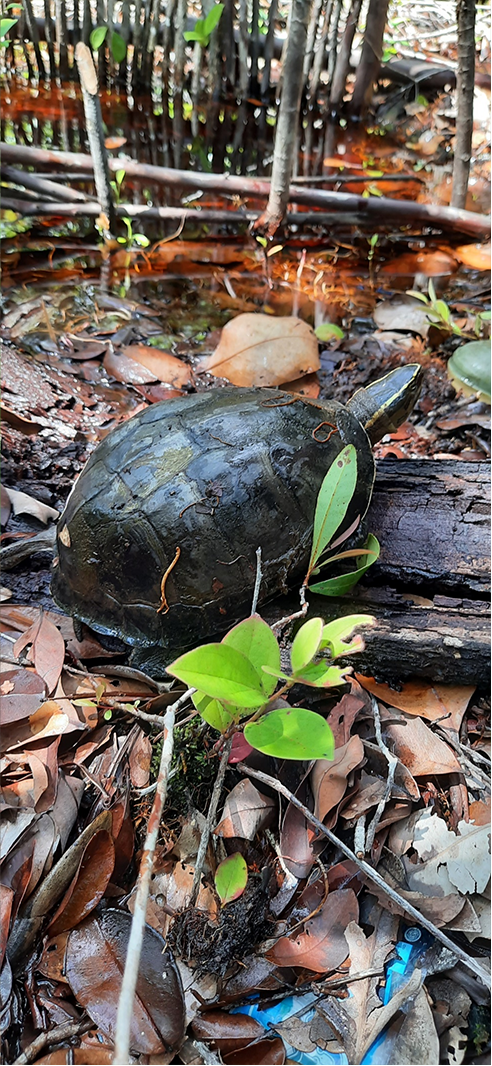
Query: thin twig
[130,975]
[53,1036]
[297,614]
[207,829]
[259,575]
[471,964]
[392,764]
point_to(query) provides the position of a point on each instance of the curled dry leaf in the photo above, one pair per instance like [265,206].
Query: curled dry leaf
[140,759]
[122,368]
[448,861]
[257,349]
[47,650]
[95,958]
[245,812]
[321,946]
[24,504]
[227,1032]
[162,365]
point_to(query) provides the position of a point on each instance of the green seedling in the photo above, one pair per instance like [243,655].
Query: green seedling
[117,45]
[205,27]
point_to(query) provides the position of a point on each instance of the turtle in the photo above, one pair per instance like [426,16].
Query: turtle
[157,542]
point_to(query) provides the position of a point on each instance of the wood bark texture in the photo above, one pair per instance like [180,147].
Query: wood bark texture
[429,591]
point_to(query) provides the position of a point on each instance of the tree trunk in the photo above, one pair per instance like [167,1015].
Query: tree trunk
[465,85]
[342,65]
[287,121]
[370,62]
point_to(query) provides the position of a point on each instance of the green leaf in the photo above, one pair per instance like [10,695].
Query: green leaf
[441,308]
[417,295]
[291,734]
[254,639]
[119,176]
[334,497]
[213,712]
[118,47]
[319,675]
[141,240]
[431,290]
[327,331]
[221,672]
[98,37]
[196,35]
[6,25]
[336,634]
[213,18]
[470,365]
[231,878]
[338,586]
[306,644]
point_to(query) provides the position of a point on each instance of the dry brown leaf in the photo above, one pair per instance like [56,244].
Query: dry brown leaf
[139,761]
[24,504]
[264,350]
[321,946]
[166,367]
[476,256]
[47,650]
[402,313]
[95,956]
[246,811]
[122,368]
[448,702]
[305,386]
[416,745]
[329,778]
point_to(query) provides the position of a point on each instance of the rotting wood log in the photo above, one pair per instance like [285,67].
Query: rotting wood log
[429,590]
[382,210]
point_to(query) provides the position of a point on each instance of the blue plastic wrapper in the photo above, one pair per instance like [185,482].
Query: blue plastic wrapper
[398,972]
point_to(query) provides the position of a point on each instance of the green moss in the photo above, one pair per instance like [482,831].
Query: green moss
[193,769]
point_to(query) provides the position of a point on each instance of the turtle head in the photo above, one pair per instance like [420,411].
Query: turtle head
[384,405]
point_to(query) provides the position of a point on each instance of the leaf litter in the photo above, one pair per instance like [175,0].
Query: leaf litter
[77,760]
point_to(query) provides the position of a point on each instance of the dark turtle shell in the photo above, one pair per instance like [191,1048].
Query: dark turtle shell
[217,475]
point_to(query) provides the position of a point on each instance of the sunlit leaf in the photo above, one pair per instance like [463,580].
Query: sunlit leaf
[213,18]
[333,500]
[231,878]
[319,675]
[213,712]
[327,331]
[306,644]
[295,733]
[337,586]
[254,639]
[222,672]
[336,634]
[98,37]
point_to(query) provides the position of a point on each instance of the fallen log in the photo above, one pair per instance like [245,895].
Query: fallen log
[369,210]
[430,589]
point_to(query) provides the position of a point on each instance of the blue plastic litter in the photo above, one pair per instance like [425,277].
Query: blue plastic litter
[415,942]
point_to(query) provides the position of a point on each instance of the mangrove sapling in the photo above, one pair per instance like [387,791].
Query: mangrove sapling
[239,677]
